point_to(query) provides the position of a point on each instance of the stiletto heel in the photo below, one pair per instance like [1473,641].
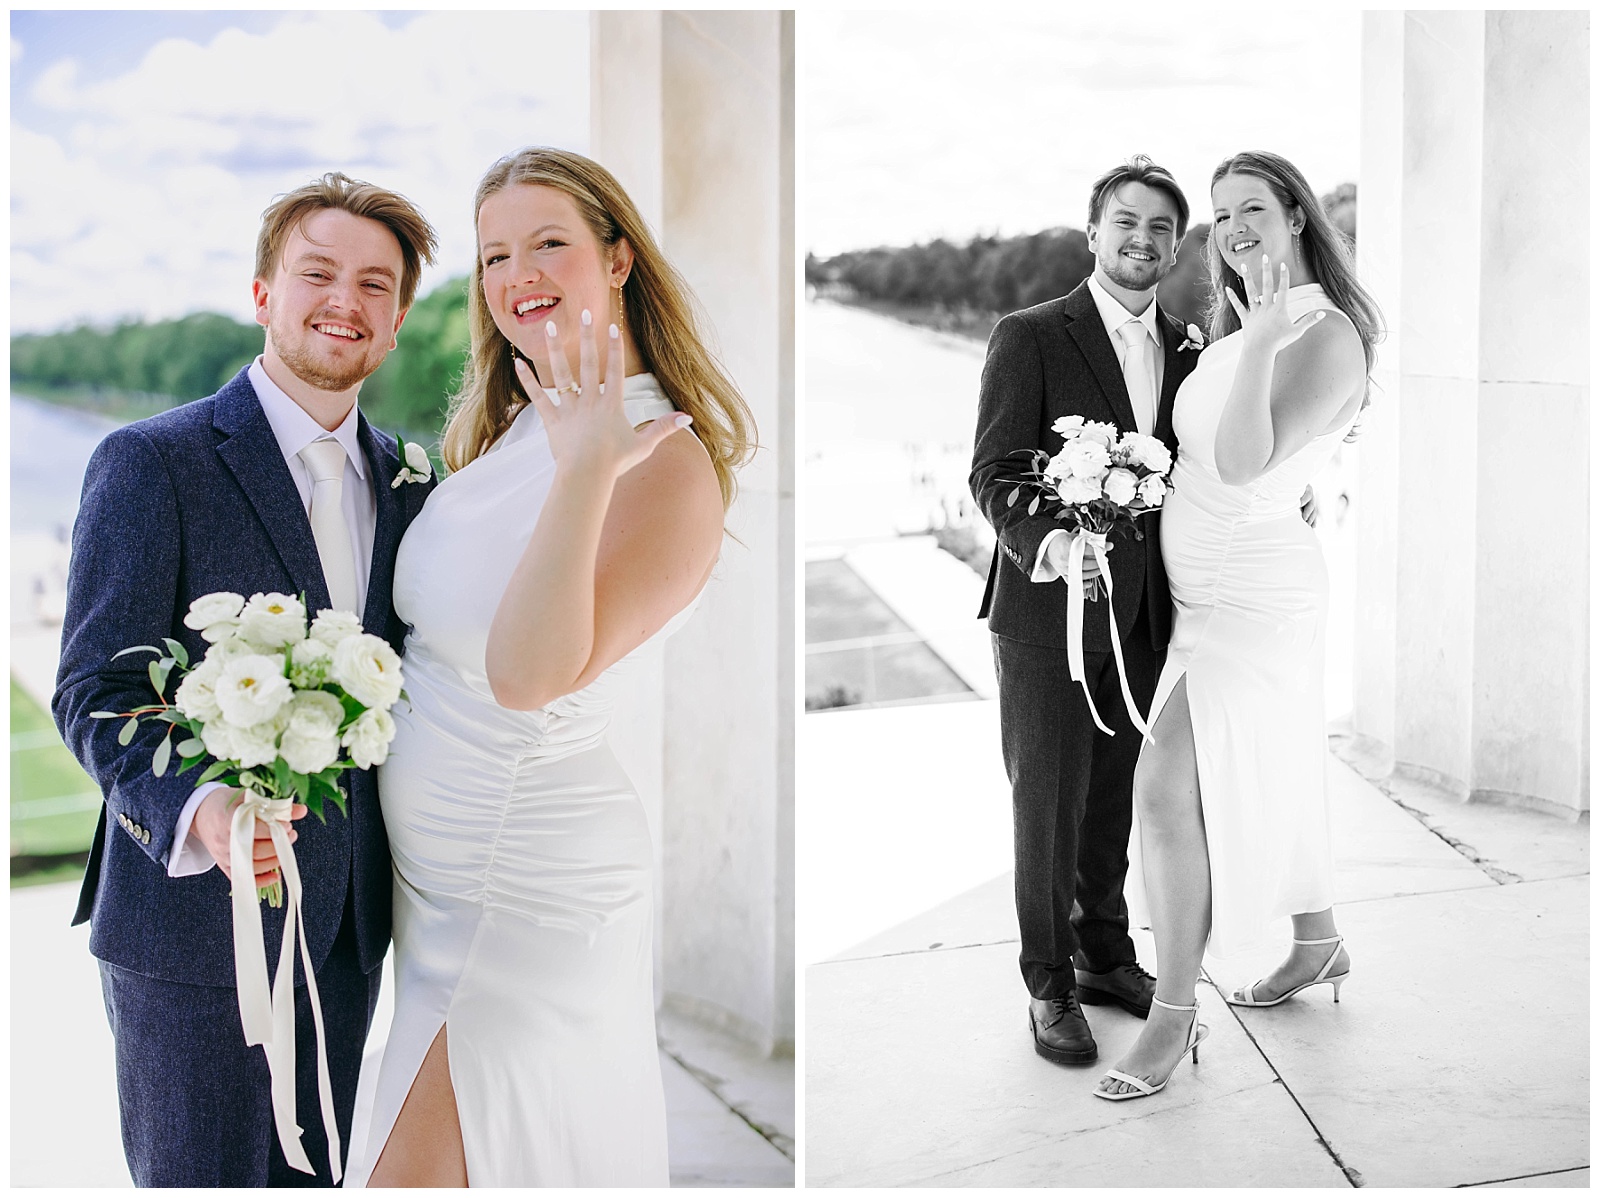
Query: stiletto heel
[1143,1089]
[1247,996]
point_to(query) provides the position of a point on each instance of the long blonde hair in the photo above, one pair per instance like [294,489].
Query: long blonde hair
[659,313]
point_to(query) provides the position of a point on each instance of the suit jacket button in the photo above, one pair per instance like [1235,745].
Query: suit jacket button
[145,836]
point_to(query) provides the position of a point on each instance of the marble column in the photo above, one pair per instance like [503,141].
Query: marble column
[695,114]
[1472,665]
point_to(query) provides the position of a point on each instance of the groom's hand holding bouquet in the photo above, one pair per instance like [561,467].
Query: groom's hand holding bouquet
[1098,484]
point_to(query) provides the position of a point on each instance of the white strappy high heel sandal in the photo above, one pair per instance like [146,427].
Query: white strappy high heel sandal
[1142,1088]
[1247,996]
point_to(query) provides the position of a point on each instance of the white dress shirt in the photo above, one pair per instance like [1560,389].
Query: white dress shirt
[1114,315]
[295,429]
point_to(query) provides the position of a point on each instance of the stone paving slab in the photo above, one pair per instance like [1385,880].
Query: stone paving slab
[921,1065]
[1460,1051]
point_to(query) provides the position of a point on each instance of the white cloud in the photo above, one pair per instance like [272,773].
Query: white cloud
[148,203]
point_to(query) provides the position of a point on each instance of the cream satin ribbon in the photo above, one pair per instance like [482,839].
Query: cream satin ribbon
[268,1014]
[1093,542]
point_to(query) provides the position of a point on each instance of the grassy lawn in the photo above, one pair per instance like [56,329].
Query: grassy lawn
[54,804]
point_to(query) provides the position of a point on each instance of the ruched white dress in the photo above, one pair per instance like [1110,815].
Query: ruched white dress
[523,866]
[1250,598]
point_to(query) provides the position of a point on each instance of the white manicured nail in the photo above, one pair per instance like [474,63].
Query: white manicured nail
[615,332]
[586,318]
[549,328]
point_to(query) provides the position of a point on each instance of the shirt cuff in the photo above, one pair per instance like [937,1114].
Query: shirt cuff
[1045,570]
[189,855]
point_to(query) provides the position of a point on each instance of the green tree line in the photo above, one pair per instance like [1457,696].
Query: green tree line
[990,276]
[186,359]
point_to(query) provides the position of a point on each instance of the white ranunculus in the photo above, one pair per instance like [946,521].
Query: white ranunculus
[310,664]
[1152,491]
[368,669]
[331,626]
[252,688]
[197,693]
[1121,486]
[1086,459]
[369,736]
[311,738]
[1100,431]
[273,621]
[1073,489]
[219,607]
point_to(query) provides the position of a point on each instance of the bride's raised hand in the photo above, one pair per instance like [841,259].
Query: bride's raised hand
[587,426]
[1266,320]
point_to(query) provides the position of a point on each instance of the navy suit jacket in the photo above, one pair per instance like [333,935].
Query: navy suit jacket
[195,500]
[1045,362]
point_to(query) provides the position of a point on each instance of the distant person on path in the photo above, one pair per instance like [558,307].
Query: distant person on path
[1232,788]
[216,495]
[1105,352]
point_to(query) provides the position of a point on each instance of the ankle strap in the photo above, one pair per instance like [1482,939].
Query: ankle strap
[1329,940]
[1171,1006]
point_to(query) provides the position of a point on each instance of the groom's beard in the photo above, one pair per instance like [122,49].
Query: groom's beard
[325,372]
[1135,276]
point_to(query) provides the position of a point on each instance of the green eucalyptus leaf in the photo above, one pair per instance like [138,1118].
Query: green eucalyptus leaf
[162,757]
[128,729]
[178,652]
[106,715]
[192,747]
[1034,506]
[1011,499]
[137,649]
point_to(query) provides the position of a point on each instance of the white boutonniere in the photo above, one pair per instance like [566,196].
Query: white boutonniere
[417,468]
[1195,340]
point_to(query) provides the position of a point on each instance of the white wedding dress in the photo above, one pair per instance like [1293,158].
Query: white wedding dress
[523,866]
[1250,599]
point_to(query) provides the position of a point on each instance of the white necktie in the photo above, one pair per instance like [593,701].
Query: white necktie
[1136,373]
[325,459]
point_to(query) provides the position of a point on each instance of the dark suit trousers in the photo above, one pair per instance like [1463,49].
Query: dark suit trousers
[196,1101]
[1072,801]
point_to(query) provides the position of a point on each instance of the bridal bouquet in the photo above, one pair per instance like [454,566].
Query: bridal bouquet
[273,702]
[1098,484]
[282,708]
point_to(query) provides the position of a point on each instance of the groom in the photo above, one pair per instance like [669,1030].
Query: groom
[1105,352]
[275,483]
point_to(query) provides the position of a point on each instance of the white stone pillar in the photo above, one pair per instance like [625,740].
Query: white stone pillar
[698,109]
[1531,678]
[1475,147]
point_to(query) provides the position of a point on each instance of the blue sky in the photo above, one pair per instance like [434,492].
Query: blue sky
[144,145]
[921,124]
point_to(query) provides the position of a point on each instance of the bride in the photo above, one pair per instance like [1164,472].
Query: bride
[1230,793]
[579,522]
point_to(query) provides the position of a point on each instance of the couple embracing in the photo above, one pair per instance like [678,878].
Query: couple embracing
[500,838]
[1220,610]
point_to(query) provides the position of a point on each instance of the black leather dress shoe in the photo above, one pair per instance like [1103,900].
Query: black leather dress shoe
[1126,986]
[1060,1032]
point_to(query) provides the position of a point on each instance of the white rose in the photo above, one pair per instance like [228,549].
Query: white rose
[311,738]
[1152,491]
[1058,466]
[330,627]
[1121,486]
[417,459]
[1078,490]
[257,744]
[368,670]
[252,688]
[369,736]
[219,607]
[197,693]
[1150,452]
[273,621]
[1086,459]
[1067,426]
[217,735]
